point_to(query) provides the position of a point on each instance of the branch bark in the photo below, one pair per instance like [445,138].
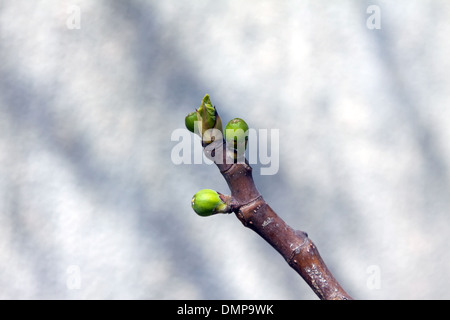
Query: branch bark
[253,211]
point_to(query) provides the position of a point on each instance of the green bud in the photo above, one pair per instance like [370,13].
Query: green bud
[207,113]
[189,121]
[203,119]
[207,202]
[236,133]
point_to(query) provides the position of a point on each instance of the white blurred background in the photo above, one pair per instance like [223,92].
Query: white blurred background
[92,207]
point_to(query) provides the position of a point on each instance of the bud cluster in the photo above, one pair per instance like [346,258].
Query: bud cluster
[206,122]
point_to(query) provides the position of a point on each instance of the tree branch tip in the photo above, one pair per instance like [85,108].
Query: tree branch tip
[249,206]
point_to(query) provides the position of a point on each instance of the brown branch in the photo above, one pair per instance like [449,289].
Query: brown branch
[294,245]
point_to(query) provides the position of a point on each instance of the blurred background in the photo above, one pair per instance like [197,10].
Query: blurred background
[93,207]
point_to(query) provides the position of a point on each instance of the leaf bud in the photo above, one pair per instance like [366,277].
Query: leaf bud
[236,137]
[204,119]
[207,202]
[190,120]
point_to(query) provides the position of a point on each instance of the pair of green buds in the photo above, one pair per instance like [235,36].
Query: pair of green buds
[207,124]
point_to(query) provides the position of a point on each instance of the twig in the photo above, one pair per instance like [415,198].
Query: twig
[294,245]
[248,204]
